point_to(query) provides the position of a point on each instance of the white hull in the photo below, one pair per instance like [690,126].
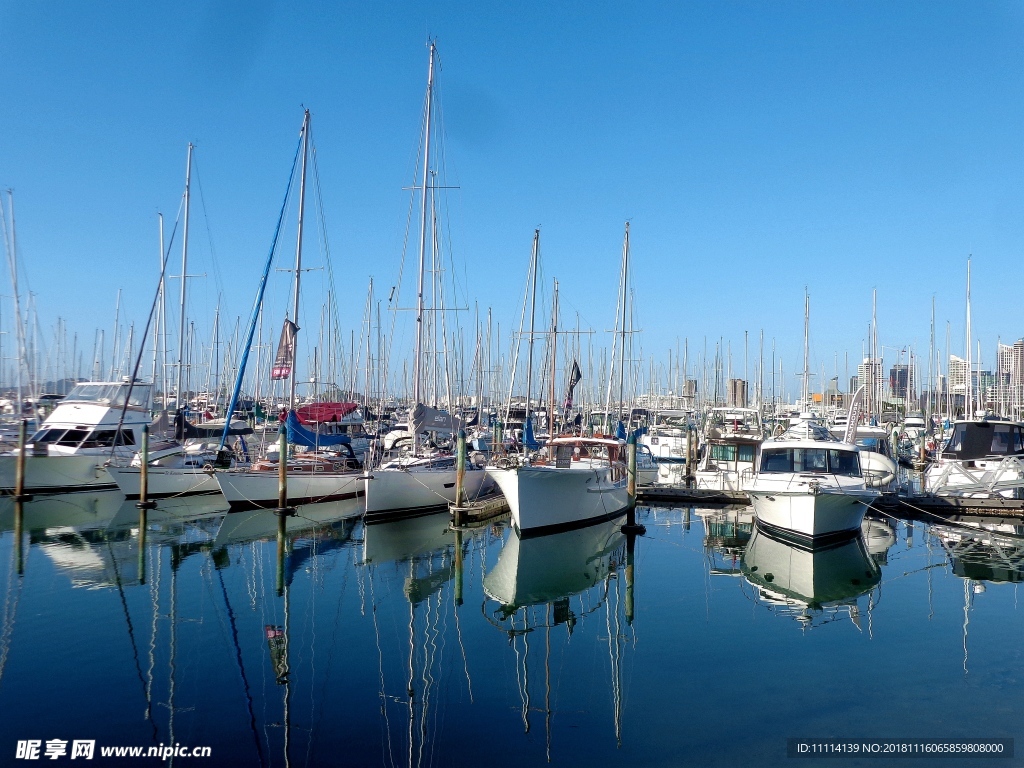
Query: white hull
[58,474]
[394,492]
[812,515]
[246,489]
[164,482]
[548,499]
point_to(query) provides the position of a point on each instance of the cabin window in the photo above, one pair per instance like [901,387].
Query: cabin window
[72,437]
[844,463]
[1002,439]
[720,452]
[746,453]
[47,436]
[1018,441]
[809,460]
[101,438]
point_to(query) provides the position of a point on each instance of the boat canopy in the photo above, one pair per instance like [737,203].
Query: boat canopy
[317,413]
[110,393]
[978,439]
[426,419]
[299,435]
[184,430]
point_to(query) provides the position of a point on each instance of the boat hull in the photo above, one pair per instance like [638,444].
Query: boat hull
[393,493]
[546,499]
[810,516]
[58,474]
[164,482]
[247,489]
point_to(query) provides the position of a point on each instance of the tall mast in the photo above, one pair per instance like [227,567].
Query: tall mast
[423,233]
[625,301]
[805,391]
[554,360]
[533,312]
[184,273]
[298,261]
[968,383]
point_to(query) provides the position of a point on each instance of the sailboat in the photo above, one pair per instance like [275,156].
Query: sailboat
[315,475]
[423,481]
[574,480]
[178,465]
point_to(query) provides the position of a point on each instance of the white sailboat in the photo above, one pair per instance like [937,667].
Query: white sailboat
[314,475]
[423,481]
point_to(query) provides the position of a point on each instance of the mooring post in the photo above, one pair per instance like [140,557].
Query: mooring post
[144,503]
[631,526]
[282,469]
[460,476]
[691,455]
[19,465]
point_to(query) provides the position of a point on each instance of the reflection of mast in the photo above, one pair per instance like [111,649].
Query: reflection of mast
[547,684]
[615,656]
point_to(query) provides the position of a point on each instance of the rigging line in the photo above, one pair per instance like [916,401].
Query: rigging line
[142,345]
[241,668]
[209,234]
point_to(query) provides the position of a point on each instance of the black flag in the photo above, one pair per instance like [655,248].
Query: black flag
[285,352]
[574,378]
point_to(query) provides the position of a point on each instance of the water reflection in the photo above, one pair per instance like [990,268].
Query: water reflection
[564,580]
[813,586]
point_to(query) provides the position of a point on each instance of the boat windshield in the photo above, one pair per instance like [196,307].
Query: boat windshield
[670,421]
[734,421]
[110,394]
[823,460]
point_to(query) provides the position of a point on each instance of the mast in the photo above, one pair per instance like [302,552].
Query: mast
[533,313]
[184,268]
[554,360]
[969,383]
[298,261]
[805,391]
[423,239]
[625,300]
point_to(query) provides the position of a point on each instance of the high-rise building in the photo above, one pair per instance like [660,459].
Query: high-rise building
[901,381]
[957,375]
[1010,378]
[869,376]
[737,393]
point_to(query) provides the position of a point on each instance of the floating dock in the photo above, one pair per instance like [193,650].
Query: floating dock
[475,513]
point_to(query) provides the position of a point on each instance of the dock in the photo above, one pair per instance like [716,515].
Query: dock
[892,503]
[476,513]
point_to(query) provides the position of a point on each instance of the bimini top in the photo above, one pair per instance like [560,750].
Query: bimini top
[110,393]
[983,439]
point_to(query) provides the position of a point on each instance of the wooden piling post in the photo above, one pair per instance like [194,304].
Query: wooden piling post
[630,576]
[19,464]
[144,503]
[19,525]
[631,527]
[460,475]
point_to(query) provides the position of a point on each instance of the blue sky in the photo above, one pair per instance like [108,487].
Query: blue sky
[756,147]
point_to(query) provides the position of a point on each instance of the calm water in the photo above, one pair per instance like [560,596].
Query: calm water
[699,644]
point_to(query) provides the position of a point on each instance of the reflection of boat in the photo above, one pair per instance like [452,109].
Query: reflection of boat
[810,583]
[984,549]
[542,569]
[726,533]
[256,524]
[405,539]
[878,538]
[82,511]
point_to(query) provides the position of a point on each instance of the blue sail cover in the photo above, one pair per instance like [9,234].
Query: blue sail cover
[299,435]
[620,431]
[529,441]
[639,432]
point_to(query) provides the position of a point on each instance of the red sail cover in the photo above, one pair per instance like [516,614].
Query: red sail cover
[317,413]
[285,352]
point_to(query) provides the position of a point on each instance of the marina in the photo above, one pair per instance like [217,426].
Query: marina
[468,385]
